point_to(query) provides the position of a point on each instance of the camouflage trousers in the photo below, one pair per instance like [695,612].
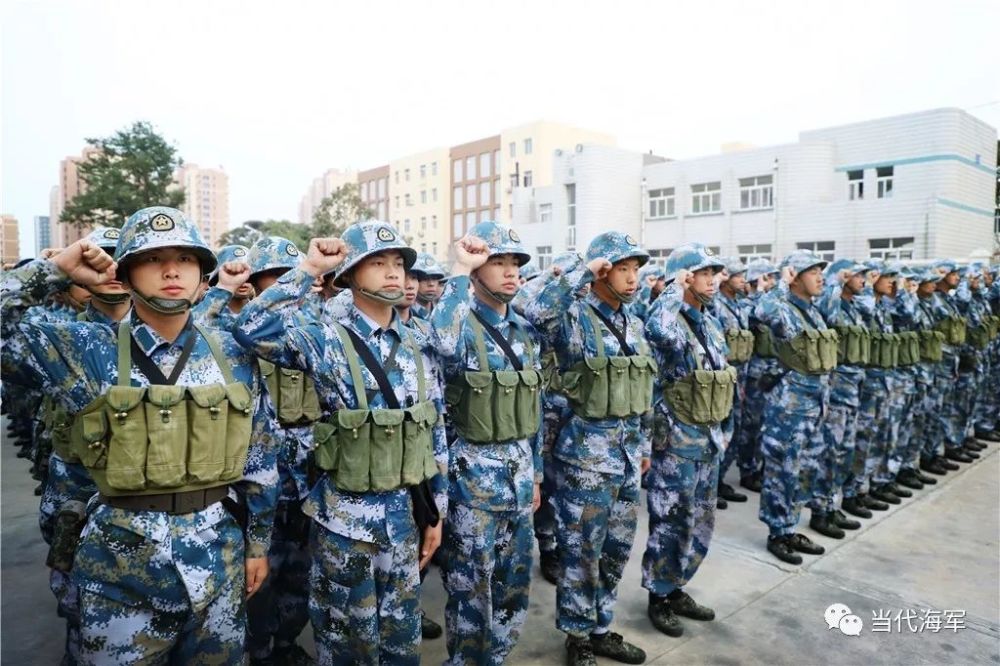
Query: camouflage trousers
[747,438]
[791,426]
[837,433]
[487,573]
[891,421]
[734,452]
[597,516]
[935,425]
[279,611]
[545,517]
[867,448]
[158,588]
[912,425]
[681,498]
[364,600]
[67,596]
[988,392]
[66,481]
[959,404]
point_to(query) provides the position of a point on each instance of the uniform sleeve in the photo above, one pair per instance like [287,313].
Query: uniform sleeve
[259,486]
[209,310]
[829,303]
[447,321]
[439,484]
[555,298]
[663,331]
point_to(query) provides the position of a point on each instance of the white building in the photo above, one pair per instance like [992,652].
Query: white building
[322,187]
[911,187]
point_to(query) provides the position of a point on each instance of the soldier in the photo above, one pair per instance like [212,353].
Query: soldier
[763,372]
[731,311]
[845,281]
[985,428]
[432,280]
[605,371]
[529,272]
[691,427]
[807,351]
[973,362]
[163,565]
[491,366]
[382,439]
[223,311]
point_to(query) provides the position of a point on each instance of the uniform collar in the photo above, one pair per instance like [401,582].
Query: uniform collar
[368,327]
[602,307]
[149,340]
[802,303]
[692,312]
[95,316]
[491,316]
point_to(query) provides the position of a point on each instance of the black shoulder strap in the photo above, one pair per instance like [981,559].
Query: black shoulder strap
[626,347]
[805,314]
[701,339]
[375,368]
[150,369]
[500,340]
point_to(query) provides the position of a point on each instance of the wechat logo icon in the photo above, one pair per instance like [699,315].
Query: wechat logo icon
[839,616]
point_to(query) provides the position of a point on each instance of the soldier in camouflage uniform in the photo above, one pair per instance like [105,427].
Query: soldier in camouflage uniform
[763,372]
[796,404]
[162,575]
[491,365]
[690,349]
[364,583]
[602,449]
[432,280]
[970,299]
[529,272]
[985,427]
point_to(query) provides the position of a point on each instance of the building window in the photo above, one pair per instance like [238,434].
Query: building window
[514,181]
[406,175]
[756,192]
[748,253]
[434,194]
[423,224]
[406,199]
[434,248]
[456,226]
[470,167]
[496,190]
[456,170]
[855,185]
[883,184]
[406,226]
[423,171]
[397,201]
[396,174]
[890,248]
[456,201]
[496,162]
[484,193]
[434,168]
[470,196]
[470,219]
[381,210]
[434,223]
[527,146]
[571,217]
[543,254]
[423,196]
[513,149]
[381,188]
[545,213]
[659,255]
[496,213]
[364,190]
[706,198]
[484,215]
[824,249]
[661,203]
[485,163]
[528,179]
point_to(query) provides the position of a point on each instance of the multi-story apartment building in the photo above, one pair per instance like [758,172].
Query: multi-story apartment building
[10,248]
[373,187]
[419,204]
[475,184]
[70,185]
[43,233]
[206,199]
[322,187]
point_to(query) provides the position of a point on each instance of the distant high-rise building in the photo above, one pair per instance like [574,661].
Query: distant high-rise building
[10,250]
[70,185]
[206,199]
[373,187]
[475,184]
[322,187]
[420,200]
[43,233]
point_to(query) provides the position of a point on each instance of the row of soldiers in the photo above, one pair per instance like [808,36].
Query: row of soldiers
[248,442]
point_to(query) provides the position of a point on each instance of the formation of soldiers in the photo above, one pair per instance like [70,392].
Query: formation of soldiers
[233,445]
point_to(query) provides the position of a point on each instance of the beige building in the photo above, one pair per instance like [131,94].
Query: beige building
[419,203]
[70,185]
[9,244]
[321,188]
[206,199]
[475,184]
[374,189]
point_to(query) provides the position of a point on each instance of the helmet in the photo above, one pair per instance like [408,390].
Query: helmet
[364,239]
[849,265]
[928,274]
[426,267]
[760,267]
[501,239]
[945,265]
[903,270]
[105,238]
[975,269]
[692,257]
[272,253]
[158,227]
[884,268]
[226,254]
[530,271]
[565,260]
[616,246]
[734,266]
[803,260]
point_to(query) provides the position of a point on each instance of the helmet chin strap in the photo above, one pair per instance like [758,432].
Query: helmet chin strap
[426,300]
[72,302]
[387,297]
[164,306]
[109,299]
[498,295]
[623,298]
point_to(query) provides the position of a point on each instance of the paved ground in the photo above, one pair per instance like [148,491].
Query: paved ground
[939,551]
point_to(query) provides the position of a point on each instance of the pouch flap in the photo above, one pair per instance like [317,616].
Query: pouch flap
[478,378]
[93,422]
[125,398]
[704,377]
[293,375]
[641,361]
[423,412]
[266,368]
[207,396]
[352,418]
[530,377]
[387,417]
[620,361]
[811,333]
[596,363]
[239,397]
[507,377]
[323,431]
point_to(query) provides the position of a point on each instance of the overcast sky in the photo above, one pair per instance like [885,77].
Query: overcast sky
[277,92]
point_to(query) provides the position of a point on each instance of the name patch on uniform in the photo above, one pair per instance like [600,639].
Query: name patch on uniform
[385,235]
[161,222]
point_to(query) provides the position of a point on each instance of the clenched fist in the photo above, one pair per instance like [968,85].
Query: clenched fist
[600,267]
[324,255]
[233,274]
[86,264]
[470,254]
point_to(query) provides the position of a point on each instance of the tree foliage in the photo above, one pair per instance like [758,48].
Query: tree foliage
[130,170]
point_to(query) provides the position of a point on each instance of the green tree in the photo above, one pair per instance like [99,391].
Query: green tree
[129,170]
[251,231]
[341,209]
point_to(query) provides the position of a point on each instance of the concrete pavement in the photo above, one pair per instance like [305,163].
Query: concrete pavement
[939,551]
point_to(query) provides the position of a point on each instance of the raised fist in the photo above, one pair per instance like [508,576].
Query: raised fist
[233,274]
[86,264]
[324,255]
[470,254]
[788,274]
[600,267]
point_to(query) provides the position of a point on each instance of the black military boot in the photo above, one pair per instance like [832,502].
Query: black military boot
[721,503]
[957,454]
[838,518]
[613,646]
[802,543]
[908,478]
[751,482]
[894,488]
[821,523]
[728,493]
[780,548]
[579,652]
[932,466]
[682,604]
[945,463]
[988,436]
[924,479]
[662,616]
[874,504]
[970,450]
[882,494]
[549,563]
[973,444]
[429,629]
[855,507]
